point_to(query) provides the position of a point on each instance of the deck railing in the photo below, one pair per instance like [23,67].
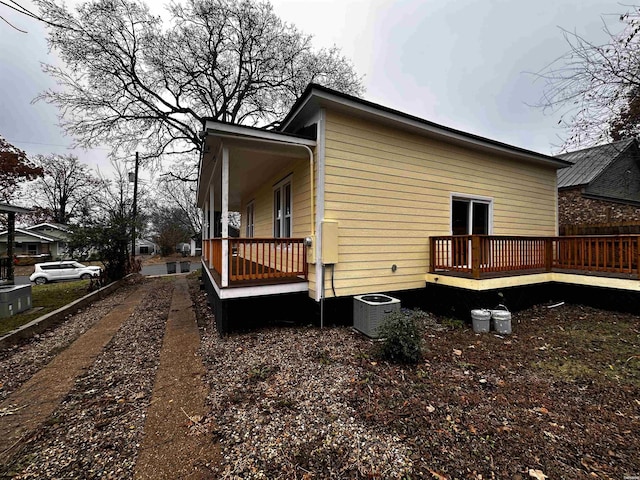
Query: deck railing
[258,258]
[485,254]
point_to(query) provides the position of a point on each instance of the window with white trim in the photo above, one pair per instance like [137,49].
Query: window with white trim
[250,219]
[282,208]
[470,215]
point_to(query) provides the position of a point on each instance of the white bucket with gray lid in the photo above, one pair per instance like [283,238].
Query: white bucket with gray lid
[501,321]
[481,320]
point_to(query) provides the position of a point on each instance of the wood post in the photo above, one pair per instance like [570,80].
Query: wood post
[548,254]
[475,256]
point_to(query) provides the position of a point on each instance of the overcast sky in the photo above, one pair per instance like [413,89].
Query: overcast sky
[459,63]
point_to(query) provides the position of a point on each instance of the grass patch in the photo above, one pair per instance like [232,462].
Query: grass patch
[594,351]
[44,299]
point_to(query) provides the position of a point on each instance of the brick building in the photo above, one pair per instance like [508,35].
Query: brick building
[602,185]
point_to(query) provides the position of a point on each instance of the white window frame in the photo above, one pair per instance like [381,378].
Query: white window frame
[280,188]
[250,222]
[471,199]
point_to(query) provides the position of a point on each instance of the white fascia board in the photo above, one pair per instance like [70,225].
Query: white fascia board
[29,234]
[425,126]
[45,224]
[214,127]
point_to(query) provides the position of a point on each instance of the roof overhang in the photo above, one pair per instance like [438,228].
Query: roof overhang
[254,155]
[27,233]
[6,208]
[317,97]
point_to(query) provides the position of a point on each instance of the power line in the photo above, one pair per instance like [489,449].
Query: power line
[57,145]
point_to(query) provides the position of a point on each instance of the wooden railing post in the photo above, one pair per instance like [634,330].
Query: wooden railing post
[475,256]
[432,255]
[548,254]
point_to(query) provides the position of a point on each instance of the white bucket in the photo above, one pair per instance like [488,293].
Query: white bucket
[481,320]
[501,321]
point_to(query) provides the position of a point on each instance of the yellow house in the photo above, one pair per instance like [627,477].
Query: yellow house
[349,197]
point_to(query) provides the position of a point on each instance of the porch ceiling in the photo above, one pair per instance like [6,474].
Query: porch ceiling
[252,162]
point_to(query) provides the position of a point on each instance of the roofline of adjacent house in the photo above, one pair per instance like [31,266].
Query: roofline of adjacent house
[213,125]
[321,92]
[27,232]
[52,225]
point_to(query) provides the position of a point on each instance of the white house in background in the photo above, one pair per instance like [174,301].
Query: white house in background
[44,240]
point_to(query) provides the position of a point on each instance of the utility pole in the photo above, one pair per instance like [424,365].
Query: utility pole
[135,209]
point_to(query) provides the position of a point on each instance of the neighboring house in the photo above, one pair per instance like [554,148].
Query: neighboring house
[45,240]
[146,247]
[601,186]
[347,197]
[196,245]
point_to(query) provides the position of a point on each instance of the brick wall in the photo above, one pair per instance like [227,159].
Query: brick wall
[573,209]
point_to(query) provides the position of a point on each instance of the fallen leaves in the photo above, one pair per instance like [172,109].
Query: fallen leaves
[537,474]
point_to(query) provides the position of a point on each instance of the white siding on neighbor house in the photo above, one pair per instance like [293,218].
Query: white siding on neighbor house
[391,190]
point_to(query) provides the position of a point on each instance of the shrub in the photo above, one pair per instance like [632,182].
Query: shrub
[401,338]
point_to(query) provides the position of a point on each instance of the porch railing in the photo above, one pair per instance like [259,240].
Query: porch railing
[483,254]
[258,258]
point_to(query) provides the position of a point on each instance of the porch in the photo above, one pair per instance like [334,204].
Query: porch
[243,262]
[499,261]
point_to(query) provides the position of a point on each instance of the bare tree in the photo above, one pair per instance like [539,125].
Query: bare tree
[132,82]
[175,193]
[65,186]
[597,87]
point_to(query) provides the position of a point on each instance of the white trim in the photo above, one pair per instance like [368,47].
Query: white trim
[320,191]
[256,291]
[280,187]
[212,126]
[251,204]
[225,216]
[323,98]
[472,198]
[48,225]
[28,233]
[533,279]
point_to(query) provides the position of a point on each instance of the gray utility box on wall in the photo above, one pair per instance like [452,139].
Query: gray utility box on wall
[14,299]
[370,310]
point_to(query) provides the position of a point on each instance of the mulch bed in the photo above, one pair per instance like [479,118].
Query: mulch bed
[560,398]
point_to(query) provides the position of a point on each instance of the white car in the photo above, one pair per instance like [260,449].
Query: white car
[65,270]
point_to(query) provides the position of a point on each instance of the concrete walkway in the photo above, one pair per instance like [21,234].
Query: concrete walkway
[175,444]
[41,395]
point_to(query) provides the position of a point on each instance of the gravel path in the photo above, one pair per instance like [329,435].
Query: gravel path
[177,443]
[96,431]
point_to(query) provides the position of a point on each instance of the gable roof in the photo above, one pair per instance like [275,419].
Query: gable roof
[29,234]
[57,226]
[588,163]
[317,96]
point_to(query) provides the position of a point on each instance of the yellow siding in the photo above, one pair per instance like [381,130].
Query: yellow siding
[391,190]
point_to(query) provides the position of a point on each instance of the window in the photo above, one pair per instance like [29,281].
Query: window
[282,209]
[250,219]
[470,216]
[32,249]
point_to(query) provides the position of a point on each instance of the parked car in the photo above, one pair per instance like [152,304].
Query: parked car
[65,270]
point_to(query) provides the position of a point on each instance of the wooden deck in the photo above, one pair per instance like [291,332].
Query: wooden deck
[490,256]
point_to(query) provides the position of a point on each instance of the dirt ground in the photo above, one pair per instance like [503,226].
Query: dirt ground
[558,399]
